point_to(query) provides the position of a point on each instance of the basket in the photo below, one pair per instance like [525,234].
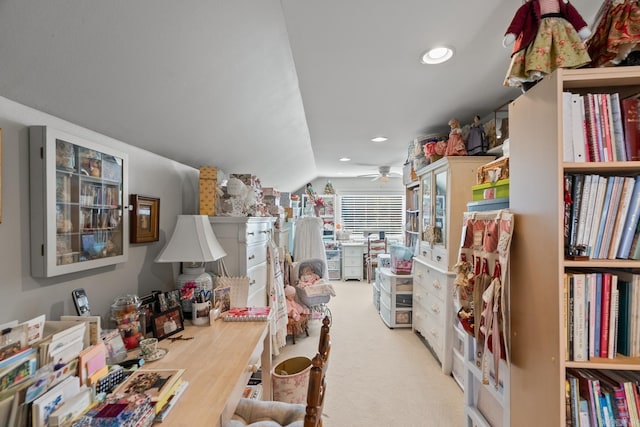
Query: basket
[401,259]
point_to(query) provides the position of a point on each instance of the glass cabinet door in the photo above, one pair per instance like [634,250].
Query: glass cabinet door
[440,208]
[427,205]
[78,186]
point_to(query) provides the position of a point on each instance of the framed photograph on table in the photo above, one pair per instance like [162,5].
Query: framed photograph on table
[144,219]
[167,323]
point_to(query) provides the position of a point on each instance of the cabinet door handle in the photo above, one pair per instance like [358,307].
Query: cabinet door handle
[250,233]
[252,256]
[438,258]
[253,282]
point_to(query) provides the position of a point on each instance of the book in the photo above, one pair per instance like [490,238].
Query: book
[591,129]
[116,411]
[93,323]
[598,315]
[631,126]
[591,287]
[607,145]
[157,383]
[166,409]
[91,360]
[612,213]
[578,128]
[621,217]
[71,408]
[578,181]
[599,222]
[613,316]
[631,222]
[567,128]
[582,188]
[624,310]
[604,318]
[595,212]
[579,310]
[242,314]
[44,405]
[618,131]
[568,210]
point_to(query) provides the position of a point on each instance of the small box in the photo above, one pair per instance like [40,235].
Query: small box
[488,205]
[401,259]
[491,190]
[496,170]
[208,190]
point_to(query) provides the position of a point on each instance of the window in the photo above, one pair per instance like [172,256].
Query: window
[372,212]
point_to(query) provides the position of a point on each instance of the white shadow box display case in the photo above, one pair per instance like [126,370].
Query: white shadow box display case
[77,190]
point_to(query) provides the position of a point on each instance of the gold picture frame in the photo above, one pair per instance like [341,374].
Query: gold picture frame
[144,219]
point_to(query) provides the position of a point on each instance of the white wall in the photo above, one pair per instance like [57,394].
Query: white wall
[22,296]
[345,186]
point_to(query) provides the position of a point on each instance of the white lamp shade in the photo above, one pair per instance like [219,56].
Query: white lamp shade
[192,241]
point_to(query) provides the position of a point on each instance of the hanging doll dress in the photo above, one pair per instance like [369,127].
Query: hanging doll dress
[556,45]
[617,33]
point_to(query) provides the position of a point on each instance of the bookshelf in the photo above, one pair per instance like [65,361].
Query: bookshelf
[412,214]
[538,341]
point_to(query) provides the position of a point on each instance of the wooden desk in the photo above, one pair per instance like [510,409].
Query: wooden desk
[218,362]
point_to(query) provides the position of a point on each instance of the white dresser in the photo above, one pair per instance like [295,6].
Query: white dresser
[432,310]
[245,240]
[352,262]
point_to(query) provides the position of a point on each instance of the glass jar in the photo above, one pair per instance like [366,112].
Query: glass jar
[125,314]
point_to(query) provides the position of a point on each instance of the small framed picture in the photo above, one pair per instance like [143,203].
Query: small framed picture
[144,219]
[167,323]
[222,298]
[173,298]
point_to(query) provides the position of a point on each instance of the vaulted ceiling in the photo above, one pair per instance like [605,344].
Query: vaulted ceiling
[281,89]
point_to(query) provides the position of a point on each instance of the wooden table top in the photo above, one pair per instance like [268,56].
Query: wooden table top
[216,364]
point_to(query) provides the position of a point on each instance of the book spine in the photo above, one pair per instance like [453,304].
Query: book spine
[631,125]
[591,281]
[605,126]
[625,200]
[631,222]
[597,212]
[579,183]
[598,316]
[578,131]
[601,225]
[579,339]
[604,322]
[567,128]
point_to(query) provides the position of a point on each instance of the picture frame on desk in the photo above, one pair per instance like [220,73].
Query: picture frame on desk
[144,218]
[222,298]
[167,323]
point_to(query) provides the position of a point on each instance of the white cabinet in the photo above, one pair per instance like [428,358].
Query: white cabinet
[432,310]
[327,210]
[76,193]
[352,260]
[396,296]
[334,260]
[245,240]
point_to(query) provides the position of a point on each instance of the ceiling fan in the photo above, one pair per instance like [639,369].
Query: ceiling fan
[383,175]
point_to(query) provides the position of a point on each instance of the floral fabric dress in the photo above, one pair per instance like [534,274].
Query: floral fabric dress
[556,45]
[617,33]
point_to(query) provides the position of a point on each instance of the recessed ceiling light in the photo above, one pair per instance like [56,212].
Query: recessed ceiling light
[379,139]
[437,55]
[345,159]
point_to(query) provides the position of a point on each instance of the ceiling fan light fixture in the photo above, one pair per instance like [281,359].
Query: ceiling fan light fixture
[379,139]
[384,178]
[437,55]
[345,159]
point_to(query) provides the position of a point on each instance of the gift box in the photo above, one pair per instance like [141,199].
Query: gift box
[491,190]
[208,184]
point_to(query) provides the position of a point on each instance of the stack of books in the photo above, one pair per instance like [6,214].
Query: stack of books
[161,385]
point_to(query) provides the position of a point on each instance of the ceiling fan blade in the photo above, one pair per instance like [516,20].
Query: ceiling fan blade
[376,178]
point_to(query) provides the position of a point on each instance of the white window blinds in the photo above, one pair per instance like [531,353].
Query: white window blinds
[372,212]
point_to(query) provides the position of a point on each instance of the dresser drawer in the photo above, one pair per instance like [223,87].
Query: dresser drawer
[435,309]
[404,300]
[434,334]
[257,285]
[352,251]
[256,254]
[257,232]
[351,272]
[436,283]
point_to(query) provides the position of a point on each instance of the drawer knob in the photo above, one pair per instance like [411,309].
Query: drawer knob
[435,309]
[250,233]
[253,368]
[434,332]
[436,284]
[438,258]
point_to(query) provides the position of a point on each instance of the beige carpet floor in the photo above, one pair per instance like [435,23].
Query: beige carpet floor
[378,376]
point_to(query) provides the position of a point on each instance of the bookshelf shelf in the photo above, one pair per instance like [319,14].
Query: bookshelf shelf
[539,313]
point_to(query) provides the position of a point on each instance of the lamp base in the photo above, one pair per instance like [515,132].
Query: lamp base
[197,275]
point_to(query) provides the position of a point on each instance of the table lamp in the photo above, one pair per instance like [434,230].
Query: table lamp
[192,243]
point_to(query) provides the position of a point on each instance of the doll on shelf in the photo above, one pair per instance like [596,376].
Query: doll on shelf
[295,310]
[548,34]
[616,39]
[455,144]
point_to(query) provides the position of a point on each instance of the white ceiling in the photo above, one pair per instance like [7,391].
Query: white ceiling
[280,89]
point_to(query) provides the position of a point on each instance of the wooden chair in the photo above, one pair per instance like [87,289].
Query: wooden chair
[254,412]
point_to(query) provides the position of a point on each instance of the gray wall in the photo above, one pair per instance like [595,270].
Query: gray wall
[22,296]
